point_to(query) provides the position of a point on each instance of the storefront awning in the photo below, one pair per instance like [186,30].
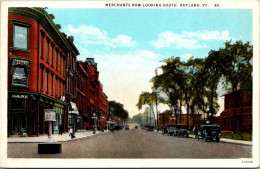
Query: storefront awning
[74,108]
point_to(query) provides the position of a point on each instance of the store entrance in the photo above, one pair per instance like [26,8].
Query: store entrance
[19,123]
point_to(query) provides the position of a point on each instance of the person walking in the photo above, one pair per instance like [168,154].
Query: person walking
[60,130]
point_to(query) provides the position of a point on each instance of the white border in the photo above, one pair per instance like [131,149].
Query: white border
[140,163]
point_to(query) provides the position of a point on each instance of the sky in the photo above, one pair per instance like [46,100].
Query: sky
[129,44]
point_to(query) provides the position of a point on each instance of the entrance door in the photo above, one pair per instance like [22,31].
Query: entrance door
[19,123]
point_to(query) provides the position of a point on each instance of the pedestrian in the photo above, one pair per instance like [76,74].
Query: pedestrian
[195,132]
[60,130]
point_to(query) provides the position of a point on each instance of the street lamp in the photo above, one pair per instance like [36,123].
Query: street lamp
[155,94]
[94,116]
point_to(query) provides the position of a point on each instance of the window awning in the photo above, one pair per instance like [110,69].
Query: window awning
[74,109]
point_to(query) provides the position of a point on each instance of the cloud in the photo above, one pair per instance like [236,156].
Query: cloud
[186,56]
[188,40]
[208,35]
[94,36]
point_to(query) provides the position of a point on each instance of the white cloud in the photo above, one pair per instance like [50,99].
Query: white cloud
[94,36]
[188,40]
[208,35]
[186,56]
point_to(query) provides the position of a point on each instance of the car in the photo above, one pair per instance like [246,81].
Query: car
[209,132]
[181,130]
[168,129]
[149,128]
[126,127]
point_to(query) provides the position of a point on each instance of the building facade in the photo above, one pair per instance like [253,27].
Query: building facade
[43,74]
[36,71]
[237,114]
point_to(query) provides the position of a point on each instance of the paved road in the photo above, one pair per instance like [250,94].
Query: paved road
[135,143]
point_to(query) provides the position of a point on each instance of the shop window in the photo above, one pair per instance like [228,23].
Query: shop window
[19,76]
[20,71]
[18,104]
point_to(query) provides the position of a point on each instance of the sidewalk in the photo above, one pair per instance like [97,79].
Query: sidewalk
[56,137]
[232,141]
[226,140]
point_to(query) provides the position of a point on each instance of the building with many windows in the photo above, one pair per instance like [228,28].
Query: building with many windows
[43,74]
[37,54]
[237,114]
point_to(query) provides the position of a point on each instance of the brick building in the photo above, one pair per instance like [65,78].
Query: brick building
[237,114]
[43,74]
[37,54]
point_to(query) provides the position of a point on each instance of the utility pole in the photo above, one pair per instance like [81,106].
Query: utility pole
[155,95]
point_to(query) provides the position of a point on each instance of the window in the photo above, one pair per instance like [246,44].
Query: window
[52,47]
[41,79]
[56,86]
[47,49]
[41,84]
[42,43]
[52,83]
[57,55]
[20,71]
[20,37]
[47,80]
[60,61]
[19,76]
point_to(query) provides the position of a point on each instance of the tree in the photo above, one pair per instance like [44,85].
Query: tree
[146,98]
[117,109]
[237,70]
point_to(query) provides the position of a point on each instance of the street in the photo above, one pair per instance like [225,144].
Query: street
[134,143]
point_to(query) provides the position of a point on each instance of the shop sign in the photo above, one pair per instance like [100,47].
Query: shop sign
[50,115]
[20,62]
[19,96]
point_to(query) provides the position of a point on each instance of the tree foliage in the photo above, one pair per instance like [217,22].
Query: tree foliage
[194,82]
[117,109]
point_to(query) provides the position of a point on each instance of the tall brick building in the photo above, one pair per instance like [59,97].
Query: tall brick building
[43,74]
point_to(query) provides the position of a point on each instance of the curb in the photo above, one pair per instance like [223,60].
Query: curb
[224,140]
[84,137]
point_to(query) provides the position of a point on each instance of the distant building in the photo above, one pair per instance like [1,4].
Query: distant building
[237,114]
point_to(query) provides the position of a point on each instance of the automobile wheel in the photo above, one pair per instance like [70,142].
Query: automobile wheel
[187,135]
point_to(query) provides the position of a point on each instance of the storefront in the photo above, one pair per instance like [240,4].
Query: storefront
[18,113]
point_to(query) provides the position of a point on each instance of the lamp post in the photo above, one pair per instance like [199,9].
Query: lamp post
[155,95]
[94,116]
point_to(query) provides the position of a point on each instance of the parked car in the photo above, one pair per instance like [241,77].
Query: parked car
[209,133]
[127,127]
[181,130]
[168,129]
[150,128]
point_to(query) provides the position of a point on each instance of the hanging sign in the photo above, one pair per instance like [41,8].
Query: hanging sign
[50,115]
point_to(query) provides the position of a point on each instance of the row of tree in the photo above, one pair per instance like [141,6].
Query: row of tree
[194,83]
[116,110]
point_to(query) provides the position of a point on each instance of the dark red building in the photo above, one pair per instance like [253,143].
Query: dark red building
[43,74]
[98,99]
[37,54]
[237,114]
